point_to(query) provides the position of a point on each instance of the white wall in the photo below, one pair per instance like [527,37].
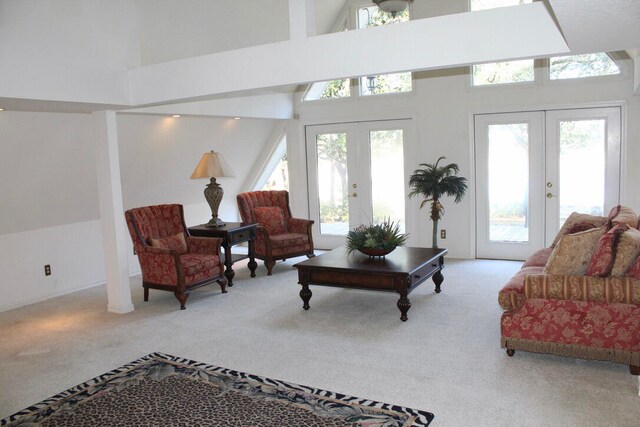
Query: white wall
[172,30]
[67,50]
[48,171]
[49,211]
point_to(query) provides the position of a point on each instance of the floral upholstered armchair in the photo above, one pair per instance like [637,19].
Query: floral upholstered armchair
[171,259]
[279,235]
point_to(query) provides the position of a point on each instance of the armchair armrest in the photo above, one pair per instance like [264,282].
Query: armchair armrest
[204,245]
[299,225]
[160,266]
[613,289]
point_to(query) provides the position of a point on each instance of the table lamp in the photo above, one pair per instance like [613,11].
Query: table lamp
[212,165]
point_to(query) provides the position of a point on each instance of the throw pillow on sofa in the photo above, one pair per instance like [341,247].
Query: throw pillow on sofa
[627,252]
[579,218]
[572,253]
[601,262]
[623,214]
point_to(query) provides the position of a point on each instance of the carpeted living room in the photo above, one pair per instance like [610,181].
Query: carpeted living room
[495,140]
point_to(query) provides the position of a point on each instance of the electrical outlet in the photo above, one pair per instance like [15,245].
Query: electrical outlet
[47,270]
[443,234]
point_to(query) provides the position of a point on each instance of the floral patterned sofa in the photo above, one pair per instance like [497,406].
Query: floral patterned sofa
[581,296]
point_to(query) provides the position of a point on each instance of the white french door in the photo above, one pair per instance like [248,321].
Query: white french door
[356,175]
[534,168]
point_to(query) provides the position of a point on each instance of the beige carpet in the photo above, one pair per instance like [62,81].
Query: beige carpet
[445,359]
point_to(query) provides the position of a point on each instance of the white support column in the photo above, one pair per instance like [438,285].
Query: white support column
[114,229]
[302,19]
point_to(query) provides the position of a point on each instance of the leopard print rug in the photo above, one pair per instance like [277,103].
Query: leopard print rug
[164,390]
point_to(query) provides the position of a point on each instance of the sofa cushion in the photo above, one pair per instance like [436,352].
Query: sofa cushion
[176,243]
[198,267]
[623,214]
[572,253]
[578,218]
[538,258]
[271,218]
[627,252]
[601,262]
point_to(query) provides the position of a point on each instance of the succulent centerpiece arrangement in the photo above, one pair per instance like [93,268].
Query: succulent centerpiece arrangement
[375,239]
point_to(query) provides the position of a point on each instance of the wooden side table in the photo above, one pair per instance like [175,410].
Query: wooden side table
[232,234]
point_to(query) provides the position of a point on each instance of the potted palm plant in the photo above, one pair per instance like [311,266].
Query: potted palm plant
[432,182]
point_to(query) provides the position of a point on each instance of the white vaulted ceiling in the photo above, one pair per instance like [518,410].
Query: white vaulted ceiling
[599,25]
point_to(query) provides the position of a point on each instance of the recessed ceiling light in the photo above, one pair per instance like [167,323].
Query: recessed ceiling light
[175,116]
[1,109]
[236,118]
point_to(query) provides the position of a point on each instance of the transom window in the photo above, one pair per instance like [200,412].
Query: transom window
[503,72]
[581,66]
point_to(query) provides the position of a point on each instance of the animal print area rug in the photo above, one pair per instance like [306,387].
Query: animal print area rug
[162,390]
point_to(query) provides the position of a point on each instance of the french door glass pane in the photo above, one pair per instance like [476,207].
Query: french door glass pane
[387,176]
[582,167]
[332,183]
[508,182]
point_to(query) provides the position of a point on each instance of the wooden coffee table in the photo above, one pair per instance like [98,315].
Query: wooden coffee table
[401,271]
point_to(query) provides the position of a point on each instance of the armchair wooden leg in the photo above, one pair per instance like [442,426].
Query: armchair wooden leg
[510,352]
[635,370]
[311,255]
[182,297]
[146,293]
[269,264]
[223,284]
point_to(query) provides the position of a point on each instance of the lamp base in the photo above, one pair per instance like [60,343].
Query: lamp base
[215,222]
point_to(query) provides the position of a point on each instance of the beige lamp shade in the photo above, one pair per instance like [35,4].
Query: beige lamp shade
[212,165]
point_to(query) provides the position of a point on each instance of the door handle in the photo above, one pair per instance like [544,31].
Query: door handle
[549,195]
[352,195]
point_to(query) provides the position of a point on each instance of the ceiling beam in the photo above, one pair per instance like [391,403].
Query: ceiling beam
[264,106]
[526,31]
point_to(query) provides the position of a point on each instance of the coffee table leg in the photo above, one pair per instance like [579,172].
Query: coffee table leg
[404,305]
[305,294]
[438,278]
